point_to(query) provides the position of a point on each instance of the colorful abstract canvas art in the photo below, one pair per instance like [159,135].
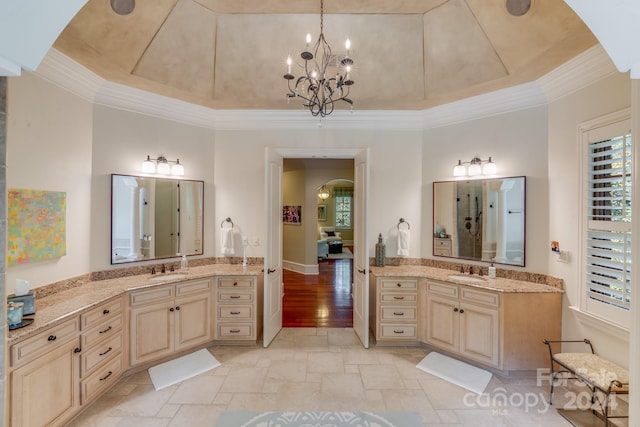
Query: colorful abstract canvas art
[36,225]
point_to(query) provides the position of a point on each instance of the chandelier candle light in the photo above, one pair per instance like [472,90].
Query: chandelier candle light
[475,168]
[322,83]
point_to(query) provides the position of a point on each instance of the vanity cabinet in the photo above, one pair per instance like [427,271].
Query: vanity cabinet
[102,338]
[45,390]
[464,321]
[442,246]
[169,318]
[395,316]
[238,309]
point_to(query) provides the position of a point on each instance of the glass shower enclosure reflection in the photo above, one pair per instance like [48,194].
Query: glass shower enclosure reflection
[153,218]
[482,219]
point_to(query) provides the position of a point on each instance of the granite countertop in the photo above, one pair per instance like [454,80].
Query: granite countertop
[483,282]
[56,307]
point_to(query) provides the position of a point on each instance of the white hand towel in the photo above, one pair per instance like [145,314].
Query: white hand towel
[227,242]
[403,242]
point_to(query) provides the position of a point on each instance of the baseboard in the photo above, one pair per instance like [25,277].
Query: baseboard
[301,268]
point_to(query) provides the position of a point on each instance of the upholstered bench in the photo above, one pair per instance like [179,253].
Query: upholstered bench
[604,378]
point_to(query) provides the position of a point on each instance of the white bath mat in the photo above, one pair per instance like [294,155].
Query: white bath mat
[456,372]
[182,368]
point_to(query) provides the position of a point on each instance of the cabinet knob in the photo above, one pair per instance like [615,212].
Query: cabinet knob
[399,285]
[178,308]
[171,309]
[77,350]
[105,311]
[461,311]
[235,283]
[455,310]
[52,338]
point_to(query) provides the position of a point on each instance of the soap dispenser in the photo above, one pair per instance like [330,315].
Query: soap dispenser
[184,264]
[492,272]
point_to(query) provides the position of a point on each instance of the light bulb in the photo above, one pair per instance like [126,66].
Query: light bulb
[347,45]
[177,169]
[148,166]
[474,169]
[289,64]
[489,168]
[163,168]
[459,169]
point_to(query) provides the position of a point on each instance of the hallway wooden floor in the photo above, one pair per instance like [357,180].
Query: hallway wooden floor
[323,300]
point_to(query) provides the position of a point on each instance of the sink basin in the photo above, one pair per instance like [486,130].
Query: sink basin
[170,276]
[466,278]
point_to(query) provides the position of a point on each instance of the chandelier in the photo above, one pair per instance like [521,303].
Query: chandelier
[326,78]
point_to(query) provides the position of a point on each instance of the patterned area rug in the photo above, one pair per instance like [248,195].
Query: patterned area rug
[346,254]
[318,419]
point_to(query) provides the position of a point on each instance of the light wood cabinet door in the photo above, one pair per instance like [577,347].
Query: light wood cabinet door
[443,323]
[152,332]
[193,320]
[46,392]
[480,333]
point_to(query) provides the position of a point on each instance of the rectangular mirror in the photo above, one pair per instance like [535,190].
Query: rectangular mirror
[154,218]
[481,220]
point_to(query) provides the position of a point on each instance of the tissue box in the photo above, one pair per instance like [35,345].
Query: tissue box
[29,301]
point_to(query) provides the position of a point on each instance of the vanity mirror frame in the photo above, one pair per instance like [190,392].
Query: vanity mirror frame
[496,205]
[182,215]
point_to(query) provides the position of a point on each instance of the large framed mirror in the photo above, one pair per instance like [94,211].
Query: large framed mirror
[480,219]
[154,218]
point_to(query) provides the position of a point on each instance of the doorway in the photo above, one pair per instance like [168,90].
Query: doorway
[273,285]
[318,269]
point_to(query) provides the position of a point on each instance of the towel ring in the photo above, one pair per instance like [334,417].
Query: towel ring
[403,221]
[226,220]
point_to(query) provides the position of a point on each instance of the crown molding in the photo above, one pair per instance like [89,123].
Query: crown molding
[586,68]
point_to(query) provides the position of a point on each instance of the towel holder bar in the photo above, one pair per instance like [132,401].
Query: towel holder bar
[403,221]
[227,219]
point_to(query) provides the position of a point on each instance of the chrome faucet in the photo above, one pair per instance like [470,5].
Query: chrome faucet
[471,269]
[153,270]
[172,268]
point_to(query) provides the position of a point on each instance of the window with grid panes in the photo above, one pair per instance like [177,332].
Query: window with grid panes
[344,203]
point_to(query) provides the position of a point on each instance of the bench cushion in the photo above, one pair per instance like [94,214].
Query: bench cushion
[595,369]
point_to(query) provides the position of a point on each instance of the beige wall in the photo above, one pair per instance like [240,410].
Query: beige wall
[607,96]
[49,134]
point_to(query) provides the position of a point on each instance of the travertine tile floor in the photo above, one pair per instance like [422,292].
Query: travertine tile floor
[321,369]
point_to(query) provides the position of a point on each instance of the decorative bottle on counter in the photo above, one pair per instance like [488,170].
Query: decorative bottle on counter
[380,252]
[184,264]
[492,272]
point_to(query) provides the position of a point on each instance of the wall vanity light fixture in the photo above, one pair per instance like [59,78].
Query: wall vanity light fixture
[475,168]
[162,166]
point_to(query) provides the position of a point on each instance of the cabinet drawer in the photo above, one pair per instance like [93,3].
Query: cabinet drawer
[98,354]
[152,295]
[480,297]
[442,251]
[103,313]
[398,297]
[231,296]
[398,313]
[409,284]
[44,342]
[244,331]
[104,330]
[443,289]
[442,243]
[235,283]
[101,379]
[192,287]
[399,331]
[229,312]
